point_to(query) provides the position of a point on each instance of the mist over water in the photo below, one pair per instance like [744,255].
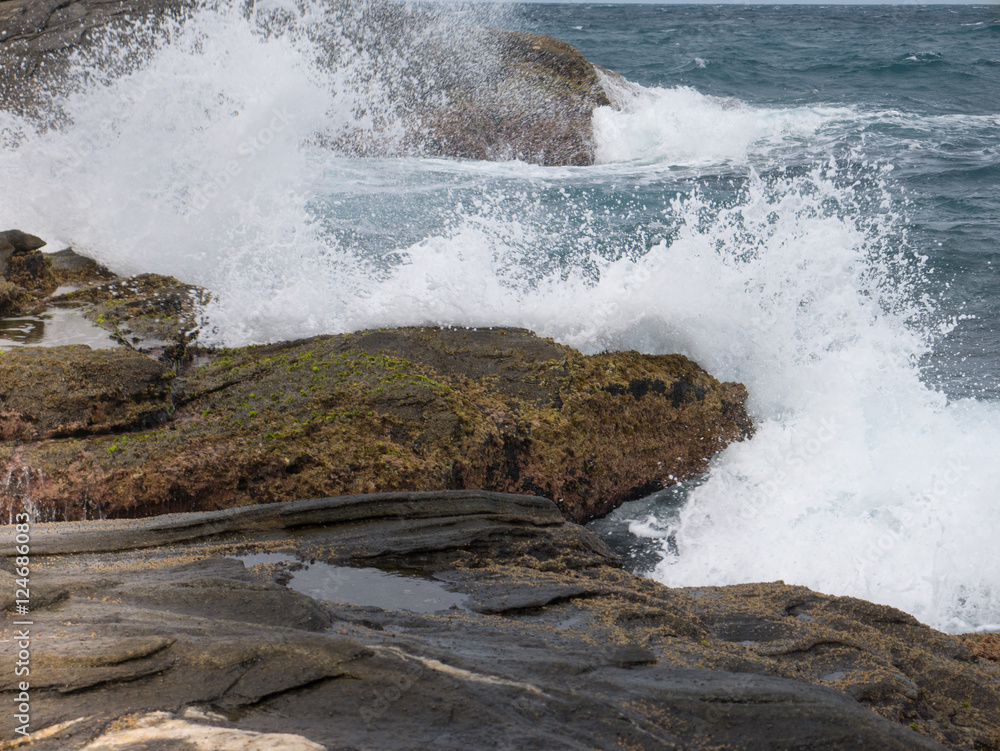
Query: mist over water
[783,244]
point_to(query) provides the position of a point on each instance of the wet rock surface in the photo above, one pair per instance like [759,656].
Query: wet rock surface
[147,631]
[153,314]
[50,392]
[159,425]
[36,35]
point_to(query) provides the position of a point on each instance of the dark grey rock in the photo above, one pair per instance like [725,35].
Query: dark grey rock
[20,242]
[556,648]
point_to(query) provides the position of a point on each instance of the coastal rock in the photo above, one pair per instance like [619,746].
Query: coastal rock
[402,409]
[162,730]
[31,271]
[151,313]
[37,35]
[245,621]
[984,646]
[71,268]
[14,299]
[15,241]
[25,273]
[537,107]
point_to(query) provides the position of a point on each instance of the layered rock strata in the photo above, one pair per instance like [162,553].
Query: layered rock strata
[243,625]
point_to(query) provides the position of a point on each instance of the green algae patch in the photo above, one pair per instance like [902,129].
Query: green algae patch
[400,409]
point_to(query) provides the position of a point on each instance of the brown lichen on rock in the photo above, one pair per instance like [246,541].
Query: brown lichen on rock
[14,299]
[71,268]
[984,646]
[405,409]
[74,390]
[32,271]
[22,264]
[25,272]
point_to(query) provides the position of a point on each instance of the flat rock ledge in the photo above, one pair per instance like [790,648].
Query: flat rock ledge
[242,628]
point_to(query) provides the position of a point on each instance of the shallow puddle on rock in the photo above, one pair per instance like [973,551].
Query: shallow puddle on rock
[361,586]
[53,328]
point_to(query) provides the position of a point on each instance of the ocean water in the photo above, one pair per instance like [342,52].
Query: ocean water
[804,199]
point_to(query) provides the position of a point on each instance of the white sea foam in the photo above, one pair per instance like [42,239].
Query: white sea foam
[209,161]
[681,126]
[860,480]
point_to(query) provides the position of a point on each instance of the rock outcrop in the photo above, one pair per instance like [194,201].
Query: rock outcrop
[35,36]
[25,272]
[403,409]
[249,625]
[537,107]
[159,425]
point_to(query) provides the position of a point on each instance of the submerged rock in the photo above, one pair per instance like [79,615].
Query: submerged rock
[242,622]
[402,409]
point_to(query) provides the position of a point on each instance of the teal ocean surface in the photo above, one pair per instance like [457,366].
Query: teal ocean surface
[803,199]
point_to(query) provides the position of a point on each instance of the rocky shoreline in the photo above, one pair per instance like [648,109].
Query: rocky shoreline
[515,96]
[242,626]
[160,425]
[191,625]
[372,541]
